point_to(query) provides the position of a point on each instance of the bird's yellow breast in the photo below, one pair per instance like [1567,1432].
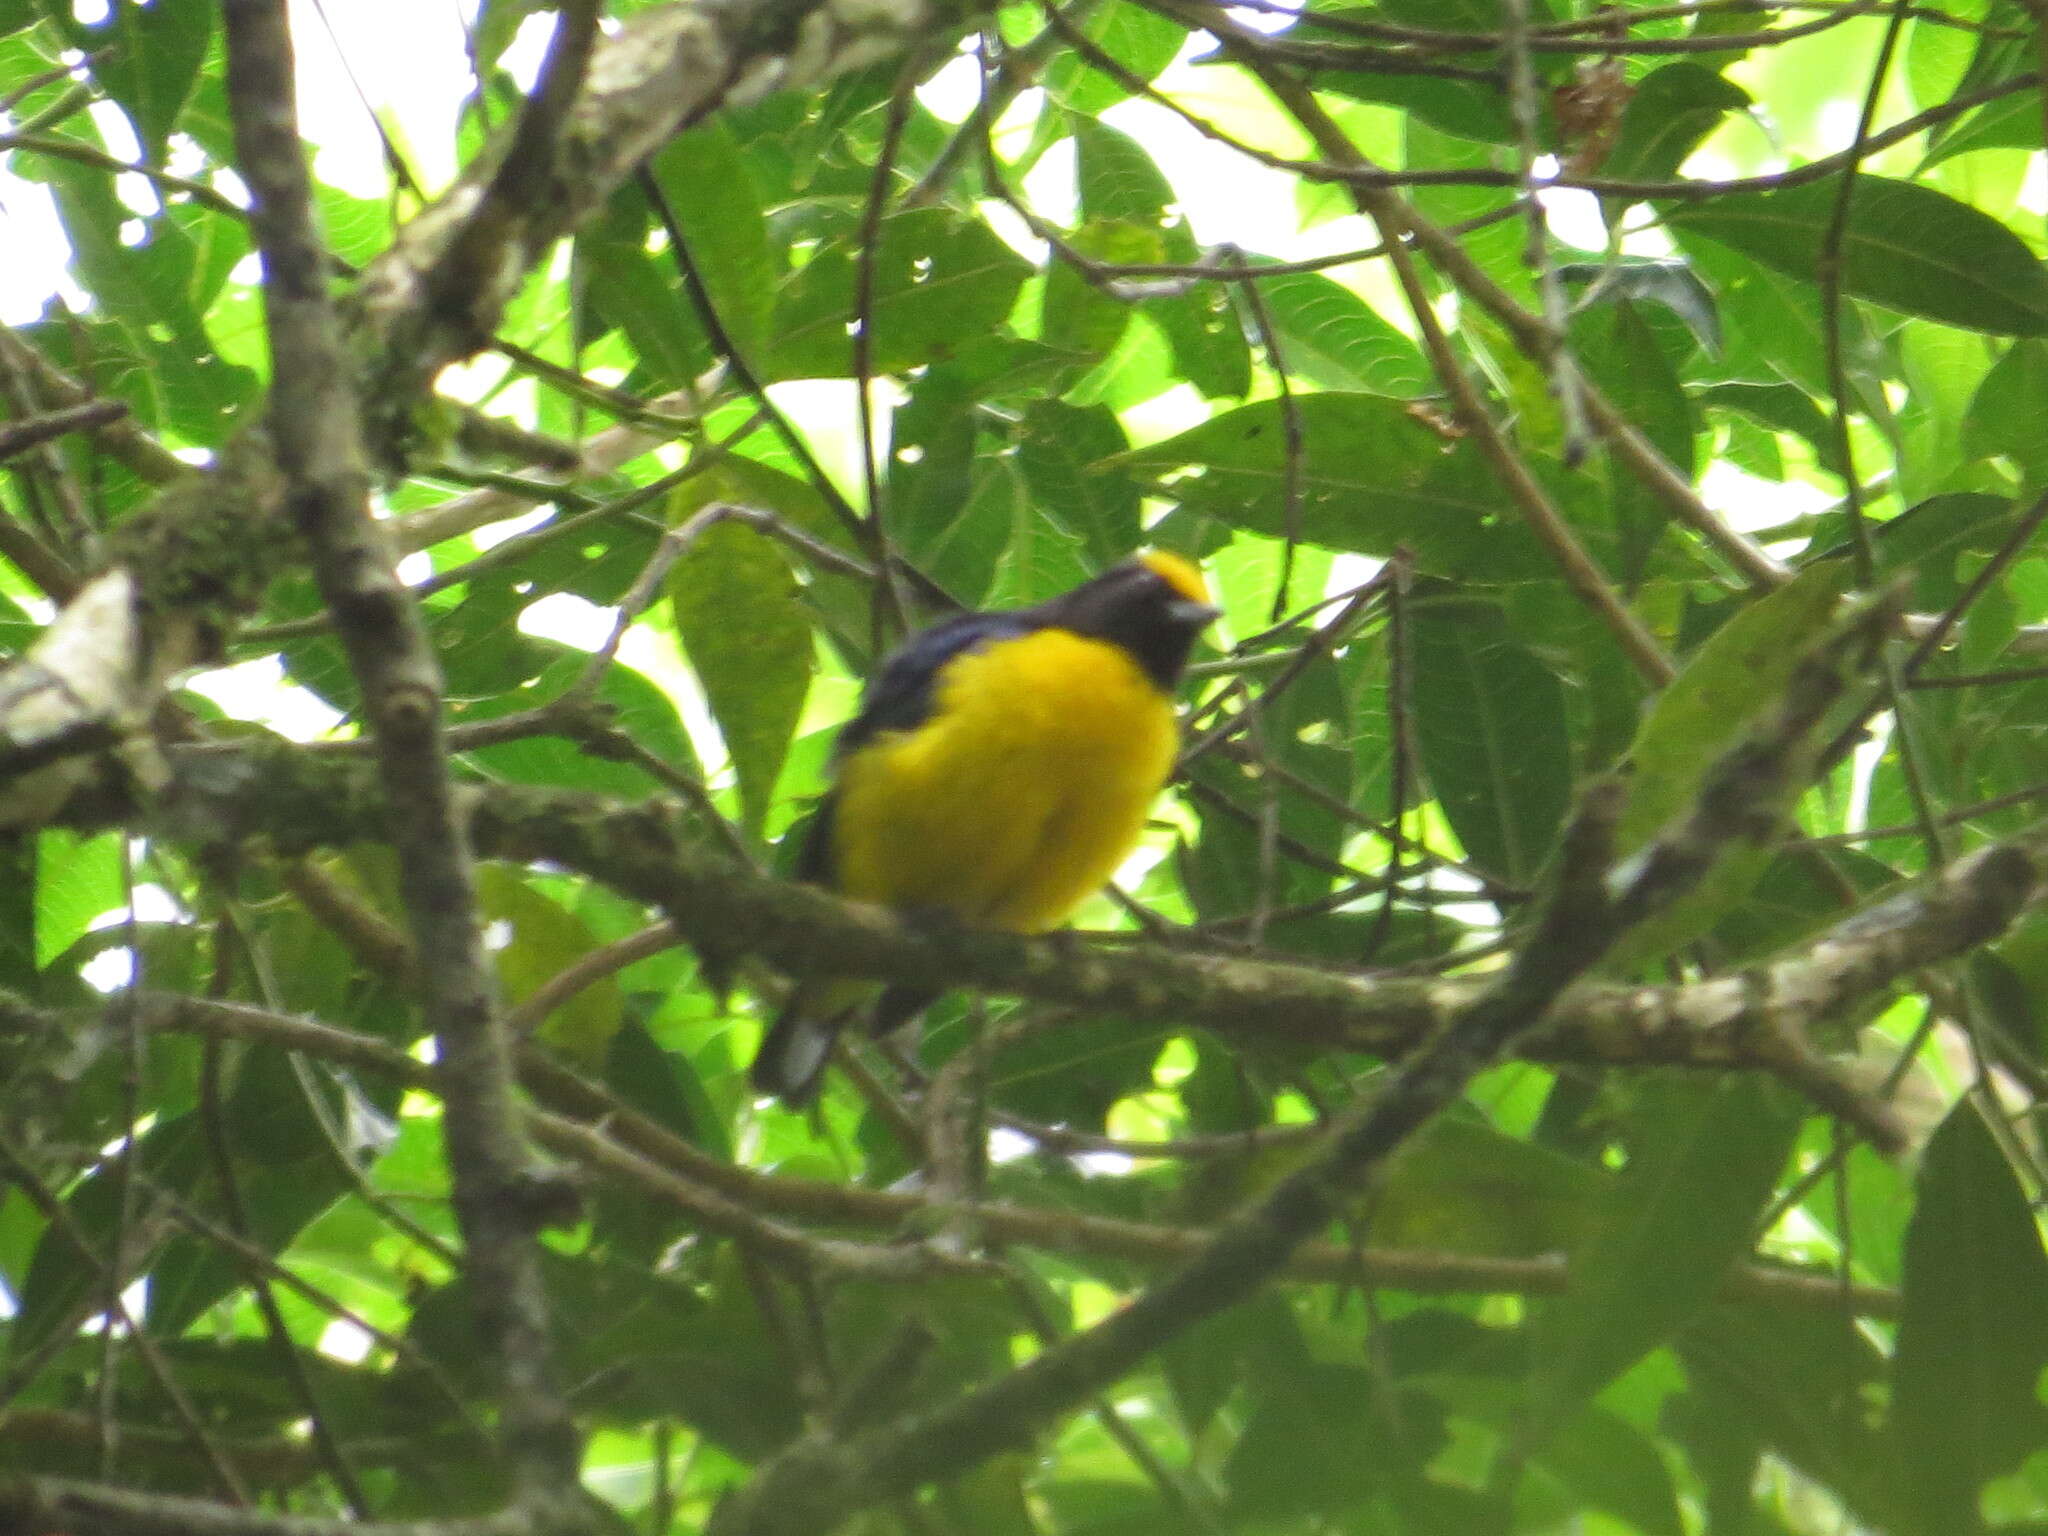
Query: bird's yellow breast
[1019,796]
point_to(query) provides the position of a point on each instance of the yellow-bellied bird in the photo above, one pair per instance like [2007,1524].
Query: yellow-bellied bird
[1000,768]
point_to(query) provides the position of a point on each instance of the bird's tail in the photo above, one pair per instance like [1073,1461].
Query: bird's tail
[791,1062]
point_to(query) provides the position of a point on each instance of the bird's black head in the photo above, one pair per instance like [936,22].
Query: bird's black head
[1152,605]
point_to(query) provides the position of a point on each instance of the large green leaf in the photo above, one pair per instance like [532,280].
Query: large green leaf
[148,57]
[738,617]
[77,879]
[2005,416]
[1672,109]
[1060,452]
[1462,108]
[939,281]
[1905,246]
[1603,1462]
[1142,41]
[1373,478]
[65,1280]
[1129,214]
[1799,1383]
[710,188]
[1725,686]
[1622,353]
[1715,701]
[1118,178]
[545,938]
[2012,122]
[1782,408]
[1328,334]
[641,295]
[1973,1335]
[1461,1186]
[1490,725]
[1077,313]
[1704,1156]
[156,286]
[1318,1444]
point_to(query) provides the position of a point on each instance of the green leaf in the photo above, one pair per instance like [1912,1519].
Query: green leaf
[740,622]
[1461,108]
[1128,214]
[939,280]
[939,492]
[155,288]
[1608,1464]
[1373,479]
[1075,311]
[1782,408]
[998,532]
[546,939]
[632,292]
[1143,41]
[710,188]
[1651,280]
[1460,15]
[1905,246]
[63,1278]
[2012,122]
[1319,1444]
[1060,450]
[661,1086]
[1490,725]
[1204,1364]
[1118,178]
[1704,1156]
[1328,334]
[77,880]
[1208,344]
[637,707]
[1800,1382]
[1622,353]
[1713,703]
[1461,1186]
[2005,416]
[1801,891]
[1973,1333]
[497,23]
[1671,111]
[1726,685]
[148,59]
[994,1498]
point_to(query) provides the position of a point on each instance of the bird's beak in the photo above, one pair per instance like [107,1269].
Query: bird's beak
[1186,611]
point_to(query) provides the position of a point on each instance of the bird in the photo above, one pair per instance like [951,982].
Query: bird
[1000,767]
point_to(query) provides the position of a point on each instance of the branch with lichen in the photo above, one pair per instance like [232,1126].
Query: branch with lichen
[316,428]
[294,801]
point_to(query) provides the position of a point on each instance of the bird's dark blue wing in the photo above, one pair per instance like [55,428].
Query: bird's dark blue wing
[900,697]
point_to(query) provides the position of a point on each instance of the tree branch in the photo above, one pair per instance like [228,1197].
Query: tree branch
[297,801]
[314,424]
[638,1152]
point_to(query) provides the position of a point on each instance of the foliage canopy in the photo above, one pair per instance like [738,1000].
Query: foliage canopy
[1622,483]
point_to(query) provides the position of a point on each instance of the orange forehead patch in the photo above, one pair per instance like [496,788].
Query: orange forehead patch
[1179,574]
